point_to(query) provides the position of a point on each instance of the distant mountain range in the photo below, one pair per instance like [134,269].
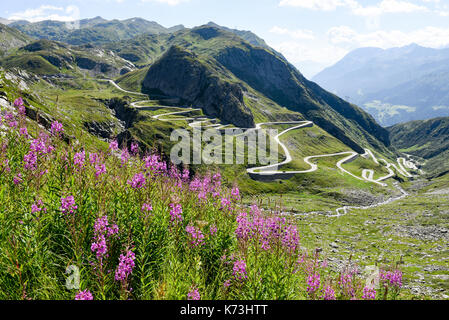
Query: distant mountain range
[96,30]
[394,85]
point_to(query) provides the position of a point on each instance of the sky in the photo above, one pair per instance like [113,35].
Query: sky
[311,34]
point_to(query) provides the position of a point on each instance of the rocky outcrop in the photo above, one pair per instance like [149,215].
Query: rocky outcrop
[199,82]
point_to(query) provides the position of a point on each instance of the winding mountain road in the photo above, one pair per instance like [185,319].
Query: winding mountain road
[272,169]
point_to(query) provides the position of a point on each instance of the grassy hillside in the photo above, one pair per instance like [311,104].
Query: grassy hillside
[426,139]
[10,39]
[44,57]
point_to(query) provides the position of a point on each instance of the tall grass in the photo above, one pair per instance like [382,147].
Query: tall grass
[138,228]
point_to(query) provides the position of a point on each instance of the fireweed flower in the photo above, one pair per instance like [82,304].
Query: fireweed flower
[138,181]
[30,161]
[393,278]
[175,213]
[125,156]
[125,267]
[84,295]
[213,230]
[147,208]
[328,293]
[68,205]
[56,128]
[102,232]
[38,206]
[113,146]
[18,102]
[134,148]
[79,159]
[369,293]
[239,270]
[235,193]
[18,179]
[100,169]
[93,158]
[313,283]
[23,132]
[225,204]
[196,236]
[194,294]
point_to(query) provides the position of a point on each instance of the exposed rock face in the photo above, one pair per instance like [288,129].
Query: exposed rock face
[200,83]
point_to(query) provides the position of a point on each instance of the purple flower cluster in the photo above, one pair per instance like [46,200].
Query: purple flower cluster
[18,103]
[392,278]
[125,267]
[369,293]
[138,181]
[269,231]
[175,213]
[196,236]
[194,294]
[102,232]
[328,293]
[134,148]
[100,169]
[38,206]
[154,164]
[56,128]
[79,159]
[113,145]
[239,270]
[68,205]
[84,295]
[313,283]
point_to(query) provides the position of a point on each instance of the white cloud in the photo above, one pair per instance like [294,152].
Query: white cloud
[169,2]
[385,6]
[46,12]
[296,34]
[296,52]
[326,5]
[428,37]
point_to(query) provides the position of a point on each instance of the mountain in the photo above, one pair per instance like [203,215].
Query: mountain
[200,82]
[266,73]
[96,30]
[45,57]
[394,85]
[245,35]
[427,139]
[11,38]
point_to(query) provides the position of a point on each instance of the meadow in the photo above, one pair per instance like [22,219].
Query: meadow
[129,225]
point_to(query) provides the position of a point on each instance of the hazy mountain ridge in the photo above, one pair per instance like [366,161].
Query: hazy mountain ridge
[11,38]
[96,30]
[394,85]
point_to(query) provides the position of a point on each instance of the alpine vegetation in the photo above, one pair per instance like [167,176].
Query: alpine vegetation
[123,224]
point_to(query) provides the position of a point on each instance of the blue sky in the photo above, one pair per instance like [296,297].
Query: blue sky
[312,34]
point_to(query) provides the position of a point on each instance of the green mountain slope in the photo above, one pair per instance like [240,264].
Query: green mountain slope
[272,77]
[11,38]
[45,57]
[428,139]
